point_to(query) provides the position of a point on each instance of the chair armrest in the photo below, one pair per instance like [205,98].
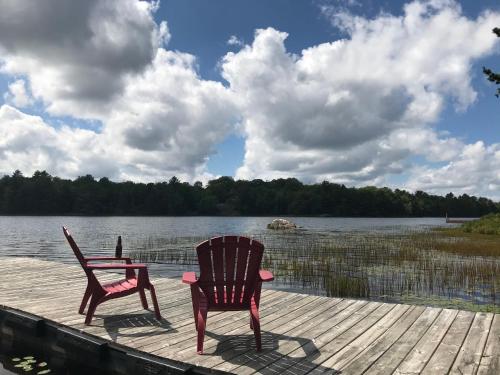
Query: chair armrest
[115,266]
[126,259]
[266,275]
[189,278]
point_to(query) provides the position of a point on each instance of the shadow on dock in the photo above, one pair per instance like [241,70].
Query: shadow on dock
[296,356]
[114,323]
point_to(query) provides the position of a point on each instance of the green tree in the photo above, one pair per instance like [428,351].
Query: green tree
[43,194]
[493,76]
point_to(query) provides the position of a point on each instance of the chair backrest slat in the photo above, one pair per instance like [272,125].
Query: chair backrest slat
[230,257]
[206,280]
[217,247]
[254,258]
[241,268]
[228,270]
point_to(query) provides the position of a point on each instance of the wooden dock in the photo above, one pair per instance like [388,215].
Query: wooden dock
[301,333]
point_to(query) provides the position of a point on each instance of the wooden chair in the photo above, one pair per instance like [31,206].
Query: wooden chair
[229,280]
[99,293]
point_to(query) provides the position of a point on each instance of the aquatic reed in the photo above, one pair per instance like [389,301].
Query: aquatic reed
[420,266]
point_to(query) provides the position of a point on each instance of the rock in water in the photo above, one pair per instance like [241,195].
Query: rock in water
[281,224]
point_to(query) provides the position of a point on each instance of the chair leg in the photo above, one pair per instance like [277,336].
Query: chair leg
[196,304]
[202,322]
[144,301]
[85,299]
[155,302]
[254,313]
[195,312]
[94,301]
[255,304]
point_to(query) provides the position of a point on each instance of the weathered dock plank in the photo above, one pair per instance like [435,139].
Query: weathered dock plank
[391,359]
[243,362]
[490,361]
[446,352]
[377,348]
[290,350]
[469,356]
[416,360]
[301,333]
[349,352]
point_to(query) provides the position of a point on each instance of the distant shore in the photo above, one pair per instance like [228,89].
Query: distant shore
[43,194]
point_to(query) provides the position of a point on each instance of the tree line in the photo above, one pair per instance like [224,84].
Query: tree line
[43,194]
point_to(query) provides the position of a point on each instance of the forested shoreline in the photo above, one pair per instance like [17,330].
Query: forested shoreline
[43,194]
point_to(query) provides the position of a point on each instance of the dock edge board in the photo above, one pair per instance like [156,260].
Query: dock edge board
[19,328]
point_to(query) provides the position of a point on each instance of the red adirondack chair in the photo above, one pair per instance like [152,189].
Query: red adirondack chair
[229,280]
[99,293]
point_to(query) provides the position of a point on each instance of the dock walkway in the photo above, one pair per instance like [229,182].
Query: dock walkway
[301,333]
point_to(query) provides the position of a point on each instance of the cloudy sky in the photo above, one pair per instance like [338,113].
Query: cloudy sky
[360,92]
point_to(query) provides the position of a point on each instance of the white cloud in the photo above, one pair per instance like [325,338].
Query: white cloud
[169,120]
[104,60]
[27,143]
[18,95]
[78,54]
[355,110]
[235,41]
[166,123]
[424,142]
[476,171]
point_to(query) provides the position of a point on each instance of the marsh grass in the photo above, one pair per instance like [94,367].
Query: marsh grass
[172,250]
[489,224]
[457,241]
[430,267]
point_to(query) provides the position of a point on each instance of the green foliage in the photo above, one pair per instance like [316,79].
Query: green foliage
[489,224]
[29,364]
[43,194]
[492,76]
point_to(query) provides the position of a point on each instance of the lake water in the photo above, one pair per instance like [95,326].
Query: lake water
[369,258]
[42,237]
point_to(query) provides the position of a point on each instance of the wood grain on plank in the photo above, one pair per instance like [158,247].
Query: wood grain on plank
[490,360]
[469,356]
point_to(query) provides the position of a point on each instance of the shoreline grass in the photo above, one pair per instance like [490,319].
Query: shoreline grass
[442,267]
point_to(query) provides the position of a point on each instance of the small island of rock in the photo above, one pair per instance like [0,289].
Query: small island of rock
[281,224]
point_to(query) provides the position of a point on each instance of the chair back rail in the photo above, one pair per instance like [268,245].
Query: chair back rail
[74,247]
[81,259]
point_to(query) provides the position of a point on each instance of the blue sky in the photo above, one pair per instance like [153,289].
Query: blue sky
[387,93]
[203,28]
